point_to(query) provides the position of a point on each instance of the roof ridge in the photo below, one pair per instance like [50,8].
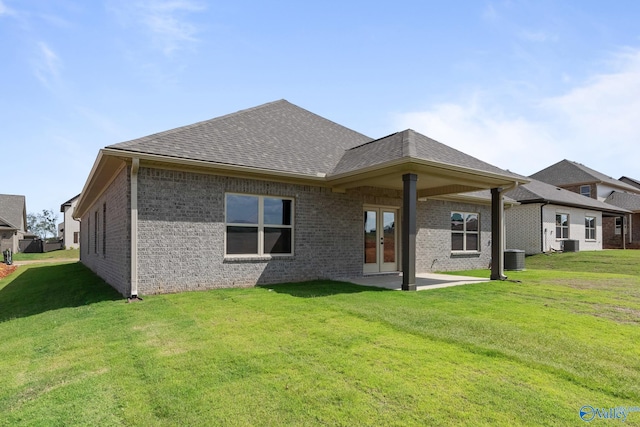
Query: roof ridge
[200,123]
[409,143]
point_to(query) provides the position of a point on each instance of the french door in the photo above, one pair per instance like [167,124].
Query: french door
[380,240]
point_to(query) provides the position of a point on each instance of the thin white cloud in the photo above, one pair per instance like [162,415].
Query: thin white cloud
[539,36]
[166,22]
[595,123]
[47,64]
[483,132]
[5,10]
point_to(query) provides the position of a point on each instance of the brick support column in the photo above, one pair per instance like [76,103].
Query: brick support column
[409,213]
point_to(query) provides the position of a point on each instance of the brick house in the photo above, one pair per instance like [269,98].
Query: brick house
[276,193]
[13,221]
[69,228]
[588,182]
[547,216]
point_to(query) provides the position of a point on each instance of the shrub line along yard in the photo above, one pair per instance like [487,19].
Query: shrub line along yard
[325,353]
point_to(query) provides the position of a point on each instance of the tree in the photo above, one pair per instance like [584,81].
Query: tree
[43,224]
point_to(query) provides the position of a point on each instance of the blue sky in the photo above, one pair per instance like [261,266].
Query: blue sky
[520,84]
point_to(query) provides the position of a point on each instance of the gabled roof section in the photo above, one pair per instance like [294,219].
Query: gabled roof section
[276,136]
[567,172]
[13,211]
[410,144]
[630,181]
[541,192]
[623,200]
[68,202]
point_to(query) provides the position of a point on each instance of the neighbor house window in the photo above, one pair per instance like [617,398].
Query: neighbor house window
[76,237]
[465,231]
[562,226]
[590,228]
[585,190]
[258,225]
[618,225]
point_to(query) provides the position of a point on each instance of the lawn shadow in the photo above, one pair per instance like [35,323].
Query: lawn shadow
[42,288]
[320,288]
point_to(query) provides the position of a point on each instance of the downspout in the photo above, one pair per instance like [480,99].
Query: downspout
[135,165]
[543,236]
[497,255]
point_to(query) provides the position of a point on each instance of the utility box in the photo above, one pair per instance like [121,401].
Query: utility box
[571,246]
[514,259]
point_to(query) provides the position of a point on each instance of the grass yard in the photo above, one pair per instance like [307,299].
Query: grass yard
[48,256]
[531,352]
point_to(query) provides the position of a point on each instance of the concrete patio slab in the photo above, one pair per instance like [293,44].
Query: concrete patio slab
[424,281]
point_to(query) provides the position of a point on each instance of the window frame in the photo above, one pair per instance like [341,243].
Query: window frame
[562,227]
[260,225]
[618,226]
[588,231]
[465,232]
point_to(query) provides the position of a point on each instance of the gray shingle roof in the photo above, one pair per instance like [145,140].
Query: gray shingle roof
[410,144]
[540,192]
[277,136]
[624,200]
[630,181]
[567,172]
[12,211]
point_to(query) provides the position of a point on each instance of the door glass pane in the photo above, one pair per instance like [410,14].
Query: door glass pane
[389,219]
[370,238]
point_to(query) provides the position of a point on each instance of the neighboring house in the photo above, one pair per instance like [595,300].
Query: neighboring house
[69,229]
[276,193]
[548,216]
[583,180]
[630,181]
[13,221]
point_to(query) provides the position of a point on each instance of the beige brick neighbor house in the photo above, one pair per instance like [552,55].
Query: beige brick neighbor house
[276,193]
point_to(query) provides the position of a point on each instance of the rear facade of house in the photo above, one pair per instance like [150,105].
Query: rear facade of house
[154,220]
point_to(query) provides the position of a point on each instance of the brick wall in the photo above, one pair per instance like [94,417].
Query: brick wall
[433,241]
[181,233]
[111,260]
[524,228]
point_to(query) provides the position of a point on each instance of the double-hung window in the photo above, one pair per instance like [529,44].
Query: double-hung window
[562,226]
[258,225]
[590,228]
[465,228]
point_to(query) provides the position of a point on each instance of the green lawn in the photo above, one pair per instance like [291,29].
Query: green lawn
[532,351]
[53,255]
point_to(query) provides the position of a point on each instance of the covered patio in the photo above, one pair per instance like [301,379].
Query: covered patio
[423,281]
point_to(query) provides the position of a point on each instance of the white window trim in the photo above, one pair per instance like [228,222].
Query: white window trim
[568,226]
[260,225]
[465,232]
[595,228]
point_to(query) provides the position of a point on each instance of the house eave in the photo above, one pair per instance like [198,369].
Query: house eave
[575,205]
